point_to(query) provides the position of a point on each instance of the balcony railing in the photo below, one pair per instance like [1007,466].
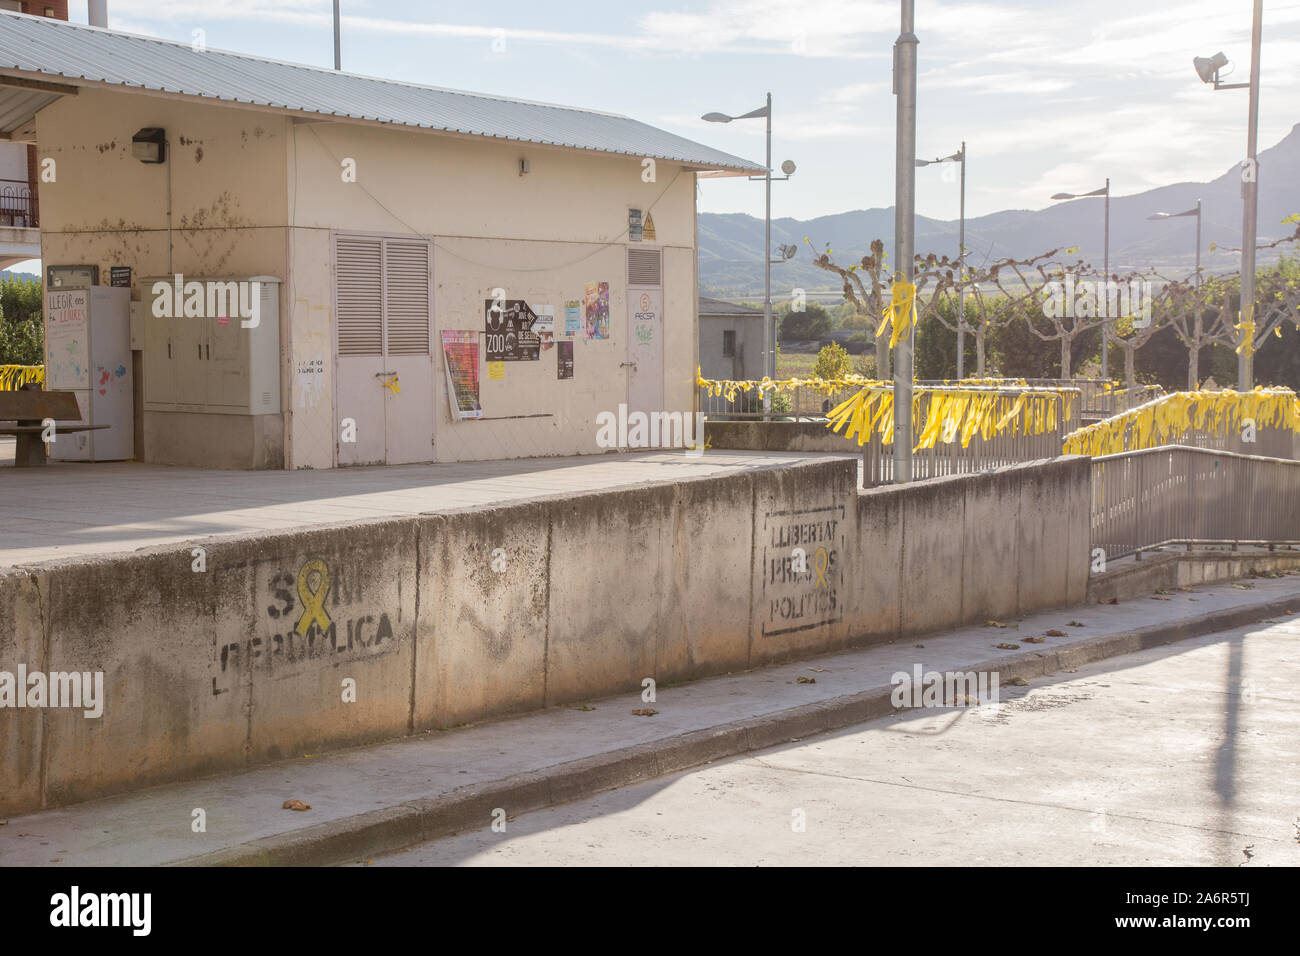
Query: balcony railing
[19,205]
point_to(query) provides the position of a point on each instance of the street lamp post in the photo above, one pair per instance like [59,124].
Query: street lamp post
[958,157]
[1105,337]
[1207,68]
[769,333]
[904,228]
[1190,212]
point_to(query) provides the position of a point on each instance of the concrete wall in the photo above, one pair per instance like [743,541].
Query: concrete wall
[778,436]
[448,618]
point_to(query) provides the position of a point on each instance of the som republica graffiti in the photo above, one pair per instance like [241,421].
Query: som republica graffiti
[314,616]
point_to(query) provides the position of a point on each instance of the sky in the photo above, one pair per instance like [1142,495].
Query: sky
[1049,96]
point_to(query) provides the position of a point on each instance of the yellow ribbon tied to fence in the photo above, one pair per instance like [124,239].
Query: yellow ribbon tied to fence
[1172,418]
[946,415]
[13,377]
[901,311]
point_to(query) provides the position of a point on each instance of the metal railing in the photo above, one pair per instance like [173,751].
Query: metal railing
[1177,494]
[18,204]
[980,455]
[801,403]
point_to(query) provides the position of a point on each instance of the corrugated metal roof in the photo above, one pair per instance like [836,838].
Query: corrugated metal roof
[37,47]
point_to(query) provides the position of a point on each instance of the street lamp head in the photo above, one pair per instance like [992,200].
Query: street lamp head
[1159,215]
[1063,195]
[716,118]
[1207,67]
[788,167]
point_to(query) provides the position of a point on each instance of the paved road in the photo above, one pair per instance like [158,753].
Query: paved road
[1188,754]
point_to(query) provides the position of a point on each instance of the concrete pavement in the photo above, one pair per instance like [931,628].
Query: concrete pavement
[1181,755]
[386,797]
[70,509]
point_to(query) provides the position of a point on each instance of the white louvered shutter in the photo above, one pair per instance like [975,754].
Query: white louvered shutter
[359,283]
[406,296]
[645,267]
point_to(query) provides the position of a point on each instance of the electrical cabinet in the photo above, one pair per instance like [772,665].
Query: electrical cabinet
[87,352]
[198,354]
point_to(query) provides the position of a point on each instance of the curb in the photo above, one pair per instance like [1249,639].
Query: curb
[395,828]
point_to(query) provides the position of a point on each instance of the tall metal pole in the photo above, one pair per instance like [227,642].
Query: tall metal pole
[338,52]
[769,334]
[961,264]
[904,239]
[1249,215]
[1105,336]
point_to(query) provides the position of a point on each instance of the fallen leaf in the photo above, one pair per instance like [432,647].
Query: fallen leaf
[819,670]
[584,707]
[1054,633]
[1018,681]
[994,624]
[295,805]
[1243,586]
[1109,601]
[1034,640]
[57,859]
[920,645]
[1007,647]
[368,862]
[645,712]
[1269,620]
[1157,597]
[1077,624]
[805,680]
[1164,590]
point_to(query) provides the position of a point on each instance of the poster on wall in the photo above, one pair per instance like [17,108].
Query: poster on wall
[509,329]
[67,339]
[545,326]
[634,225]
[597,301]
[460,358]
[564,360]
[572,318]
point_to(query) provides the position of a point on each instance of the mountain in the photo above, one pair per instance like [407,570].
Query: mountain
[730,245]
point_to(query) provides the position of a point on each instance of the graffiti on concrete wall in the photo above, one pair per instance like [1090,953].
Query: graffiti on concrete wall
[308,617]
[803,569]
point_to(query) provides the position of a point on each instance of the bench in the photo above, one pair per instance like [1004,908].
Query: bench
[27,408]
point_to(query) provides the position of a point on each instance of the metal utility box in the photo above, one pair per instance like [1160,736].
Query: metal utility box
[211,344]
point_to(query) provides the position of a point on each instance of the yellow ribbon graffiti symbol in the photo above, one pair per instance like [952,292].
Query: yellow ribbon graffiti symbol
[820,563]
[392,385]
[313,601]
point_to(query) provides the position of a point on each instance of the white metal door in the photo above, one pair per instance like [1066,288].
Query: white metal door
[408,404]
[385,363]
[645,324]
[358,290]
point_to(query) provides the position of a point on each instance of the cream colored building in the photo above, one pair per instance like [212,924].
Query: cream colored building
[408,214]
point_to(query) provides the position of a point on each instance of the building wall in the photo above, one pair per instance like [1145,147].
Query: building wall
[258,194]
[229,216]
[540,236]
[747,363]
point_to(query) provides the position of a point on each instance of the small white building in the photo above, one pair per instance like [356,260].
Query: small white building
[460,276]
